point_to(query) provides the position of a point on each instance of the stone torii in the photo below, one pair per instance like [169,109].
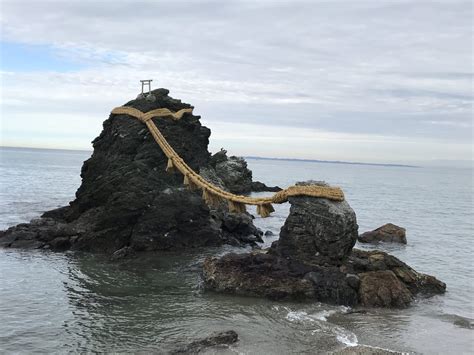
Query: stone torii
[148,96]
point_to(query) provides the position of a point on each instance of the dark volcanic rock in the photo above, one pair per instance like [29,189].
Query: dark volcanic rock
[383,289]
[387,233]
[373,278]
[317,230]
[314,260]
[232,174]
[362,261]
[214,340]
[257,275]
[126,198]
[258,186]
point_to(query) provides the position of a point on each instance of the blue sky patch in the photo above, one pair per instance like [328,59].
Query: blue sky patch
[20,57]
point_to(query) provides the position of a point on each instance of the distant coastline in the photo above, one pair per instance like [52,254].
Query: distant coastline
[47,149]
[334,162]
[246,157]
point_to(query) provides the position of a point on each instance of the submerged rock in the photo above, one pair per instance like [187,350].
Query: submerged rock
[389,233]
[213,341]
[126,198]
[365,350]
[317,230]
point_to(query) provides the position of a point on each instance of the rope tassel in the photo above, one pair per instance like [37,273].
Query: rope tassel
[237,207]
[265,209]
[186,180]
[170,168]
[211,199]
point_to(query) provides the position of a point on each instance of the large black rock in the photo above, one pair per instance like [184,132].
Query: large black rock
[126,198]
[317,230]
[314,259]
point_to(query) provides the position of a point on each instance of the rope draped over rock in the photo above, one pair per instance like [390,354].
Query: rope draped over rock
[213,195]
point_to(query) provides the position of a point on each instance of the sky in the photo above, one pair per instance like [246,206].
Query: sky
[369,81]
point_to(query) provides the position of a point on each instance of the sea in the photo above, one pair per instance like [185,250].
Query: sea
[81,303]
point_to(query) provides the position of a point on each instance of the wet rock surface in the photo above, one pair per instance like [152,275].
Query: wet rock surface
[126,198]
[389,233]
[317,230]
[314,259]
[372,279]
[216,340]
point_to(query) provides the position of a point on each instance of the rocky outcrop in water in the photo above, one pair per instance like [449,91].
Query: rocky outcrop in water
[389,233]
[215,341]
[314,259]
[127,200]
[317,230]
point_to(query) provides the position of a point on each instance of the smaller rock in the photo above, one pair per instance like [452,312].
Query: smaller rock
[365,350]
[217,339]
[383,289]
[60,243]
[258,186]
[122,253]
[269,233]
[389,233]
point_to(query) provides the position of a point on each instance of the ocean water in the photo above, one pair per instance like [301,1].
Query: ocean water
[70,302]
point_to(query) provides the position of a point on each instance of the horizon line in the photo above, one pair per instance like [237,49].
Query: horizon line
[248,157]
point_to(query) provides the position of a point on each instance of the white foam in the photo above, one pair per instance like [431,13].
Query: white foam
[346,337]
[294,316]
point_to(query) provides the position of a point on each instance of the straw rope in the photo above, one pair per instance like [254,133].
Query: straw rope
[212,194]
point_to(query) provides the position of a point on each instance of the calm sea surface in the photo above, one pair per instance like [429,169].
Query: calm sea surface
[57,303]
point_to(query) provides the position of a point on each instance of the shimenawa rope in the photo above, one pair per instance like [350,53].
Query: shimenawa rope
[212,194]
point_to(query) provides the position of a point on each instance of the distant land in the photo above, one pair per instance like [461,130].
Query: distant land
[420,164]
[333,162]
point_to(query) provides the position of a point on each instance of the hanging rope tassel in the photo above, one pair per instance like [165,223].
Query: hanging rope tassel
[210,199]
[265,209]
[189,183]
[237,207]
[170,168]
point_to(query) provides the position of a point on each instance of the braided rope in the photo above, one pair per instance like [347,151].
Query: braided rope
[212,194]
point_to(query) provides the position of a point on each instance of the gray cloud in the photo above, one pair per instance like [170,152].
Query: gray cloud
[394,68]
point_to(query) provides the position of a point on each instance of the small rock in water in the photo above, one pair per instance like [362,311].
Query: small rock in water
[383,289]
[269,233]
[217,339]
[389,233]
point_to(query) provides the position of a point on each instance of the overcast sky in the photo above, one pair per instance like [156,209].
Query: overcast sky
[372,81]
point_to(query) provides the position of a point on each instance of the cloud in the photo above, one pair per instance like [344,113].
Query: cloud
[392,69]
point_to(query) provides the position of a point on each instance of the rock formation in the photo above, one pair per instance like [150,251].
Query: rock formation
[232,174]
[127,203]
[127,200]
[318,230]
[389,233]
[314,259]
[216,341]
